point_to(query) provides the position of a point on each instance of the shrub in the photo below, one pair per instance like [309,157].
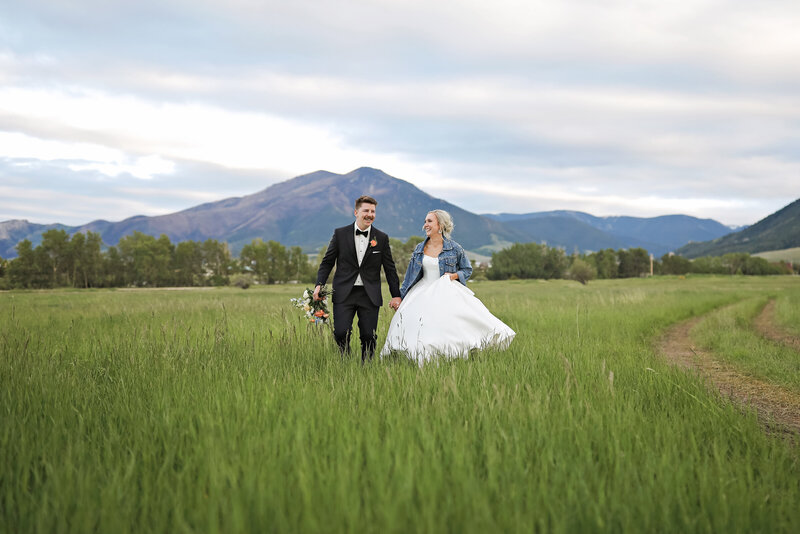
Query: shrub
[243,280]
[581,271]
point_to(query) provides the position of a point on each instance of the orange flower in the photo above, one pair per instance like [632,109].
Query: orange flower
[319,313]
[373,243]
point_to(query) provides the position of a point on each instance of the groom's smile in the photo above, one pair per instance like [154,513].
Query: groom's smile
[365,215]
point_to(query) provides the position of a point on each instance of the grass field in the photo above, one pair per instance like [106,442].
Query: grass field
[726,333]
[221,411]
[788,254]
[787,312]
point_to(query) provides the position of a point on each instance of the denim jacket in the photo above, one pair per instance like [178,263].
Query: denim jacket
[452,259]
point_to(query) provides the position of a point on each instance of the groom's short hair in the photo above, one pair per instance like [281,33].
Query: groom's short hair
[364,199]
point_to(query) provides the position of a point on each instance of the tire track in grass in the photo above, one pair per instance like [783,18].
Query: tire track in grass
[767,327]
[772,403]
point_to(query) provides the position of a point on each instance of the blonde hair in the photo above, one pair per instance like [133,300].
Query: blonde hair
[445,222]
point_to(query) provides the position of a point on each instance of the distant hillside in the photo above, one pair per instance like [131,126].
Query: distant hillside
[779,231]
[304,210]
[567,233]
[12,232]
[788,254]
[658,235]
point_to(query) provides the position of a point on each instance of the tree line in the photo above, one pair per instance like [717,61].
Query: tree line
[533,260]
[141,260]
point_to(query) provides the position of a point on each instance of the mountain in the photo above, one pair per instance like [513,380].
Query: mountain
[778,231]
[12,232]
[658,235]
[304,210]
[567,233]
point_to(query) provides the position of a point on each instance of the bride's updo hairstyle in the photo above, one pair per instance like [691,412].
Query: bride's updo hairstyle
[445,222]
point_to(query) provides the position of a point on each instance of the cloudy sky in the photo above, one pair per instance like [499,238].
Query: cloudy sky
[110,109]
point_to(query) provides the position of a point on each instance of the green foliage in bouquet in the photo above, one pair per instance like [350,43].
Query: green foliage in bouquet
[315,311]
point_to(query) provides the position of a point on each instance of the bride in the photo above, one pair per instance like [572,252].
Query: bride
[439,316]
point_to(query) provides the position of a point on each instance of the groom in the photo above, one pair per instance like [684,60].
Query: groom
[358,250]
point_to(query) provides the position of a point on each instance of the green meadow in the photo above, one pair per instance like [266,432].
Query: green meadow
[221,410]
[728,334]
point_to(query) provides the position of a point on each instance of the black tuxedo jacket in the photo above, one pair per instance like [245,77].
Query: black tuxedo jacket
[342,252]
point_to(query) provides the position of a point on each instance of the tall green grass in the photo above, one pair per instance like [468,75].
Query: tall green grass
[221,411]
[787,311]
[729,333]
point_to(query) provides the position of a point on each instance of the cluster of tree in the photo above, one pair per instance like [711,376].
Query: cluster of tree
[141,260]
[528,260]
[532,260]
[58,261]
[271,262]
[733,263]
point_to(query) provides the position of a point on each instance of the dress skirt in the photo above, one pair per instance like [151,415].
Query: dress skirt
[442,318]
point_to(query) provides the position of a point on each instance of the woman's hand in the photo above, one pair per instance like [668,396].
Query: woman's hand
[453,276]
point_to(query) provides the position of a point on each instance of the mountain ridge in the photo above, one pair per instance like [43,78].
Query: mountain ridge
[302,211]
[778,231]
[673,230]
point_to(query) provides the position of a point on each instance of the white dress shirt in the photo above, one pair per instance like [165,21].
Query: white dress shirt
[362,242]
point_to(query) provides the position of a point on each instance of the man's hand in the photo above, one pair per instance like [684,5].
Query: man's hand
[395,303]
[316,293]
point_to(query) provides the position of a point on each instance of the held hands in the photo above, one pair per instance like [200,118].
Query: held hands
[394,303]
[453,276]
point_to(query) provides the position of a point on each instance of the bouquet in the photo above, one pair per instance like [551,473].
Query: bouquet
[315,311]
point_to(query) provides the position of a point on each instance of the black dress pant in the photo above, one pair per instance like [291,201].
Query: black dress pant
[356,303]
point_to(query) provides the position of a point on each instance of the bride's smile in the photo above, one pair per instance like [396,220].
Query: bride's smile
[431,225]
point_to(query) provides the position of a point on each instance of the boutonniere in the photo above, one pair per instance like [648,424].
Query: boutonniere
[373,243]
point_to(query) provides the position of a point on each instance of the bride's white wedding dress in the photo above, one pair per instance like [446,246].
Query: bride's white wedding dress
[441,317]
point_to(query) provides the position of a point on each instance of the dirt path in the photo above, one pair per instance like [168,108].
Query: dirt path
[771,402]
[765,324]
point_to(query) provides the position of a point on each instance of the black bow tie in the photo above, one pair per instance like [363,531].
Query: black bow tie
[365,233]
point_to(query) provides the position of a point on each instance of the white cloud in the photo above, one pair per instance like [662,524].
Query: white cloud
[145,167]
[557,194]
[21,146]
[614,105]
[106,160]
[70,208]
[189,131]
